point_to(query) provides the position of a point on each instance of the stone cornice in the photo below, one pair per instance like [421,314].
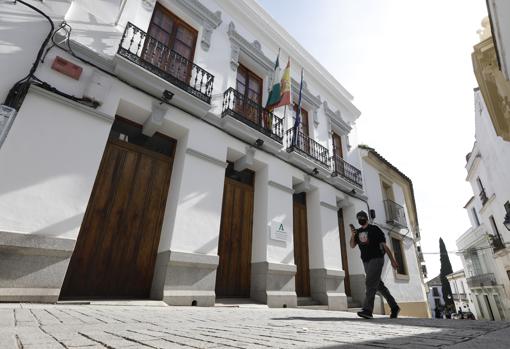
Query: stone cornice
[210,20]
[336,119]
[251,49]
[494,88]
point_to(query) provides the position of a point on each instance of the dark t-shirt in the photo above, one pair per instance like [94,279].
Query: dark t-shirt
[369,241]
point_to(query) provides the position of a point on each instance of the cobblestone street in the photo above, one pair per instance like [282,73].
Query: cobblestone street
[108,326]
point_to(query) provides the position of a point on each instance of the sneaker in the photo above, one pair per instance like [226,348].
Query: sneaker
[394,312]
[365,314]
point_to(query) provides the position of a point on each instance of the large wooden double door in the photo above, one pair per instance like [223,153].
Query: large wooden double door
[301,257]
[234,248]
[118,241]
[343,249]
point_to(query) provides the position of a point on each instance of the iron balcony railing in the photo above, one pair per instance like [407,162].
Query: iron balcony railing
[153,55]
[483,197]
[395,214]
[298,141]
[238,106]
[496,242]
[345,170]
[482,280]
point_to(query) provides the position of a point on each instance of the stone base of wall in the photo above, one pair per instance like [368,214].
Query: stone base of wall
[327,287]
[357,282]
[32,267]
[273,284]
[414,309]
[185,278]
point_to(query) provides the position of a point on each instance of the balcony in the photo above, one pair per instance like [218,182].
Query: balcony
[420,257]
[304,145]
[482,280]
[395,214]
[138,49]
[496,243]
[483,197]
[347,171]
[252,114]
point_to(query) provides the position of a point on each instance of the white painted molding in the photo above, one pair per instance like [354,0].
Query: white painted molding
[281,187]
[336,120]
[62,100]
[210,20]
[252,49]
[206,157]
[328,205]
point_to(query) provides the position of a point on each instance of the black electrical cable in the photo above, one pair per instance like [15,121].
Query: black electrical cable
[21,87]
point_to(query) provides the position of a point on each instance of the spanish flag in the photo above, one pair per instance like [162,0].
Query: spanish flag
[284,89]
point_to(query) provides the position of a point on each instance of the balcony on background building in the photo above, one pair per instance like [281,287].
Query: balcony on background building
[301,143]
[481,280]
[346,171]
[496,242]
[424,270]
[395,214]
[250,113]
[139,48]
[483,197]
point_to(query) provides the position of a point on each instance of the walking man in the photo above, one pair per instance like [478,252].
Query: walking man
[372,244]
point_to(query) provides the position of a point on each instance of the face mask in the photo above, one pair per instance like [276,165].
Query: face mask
[362,221]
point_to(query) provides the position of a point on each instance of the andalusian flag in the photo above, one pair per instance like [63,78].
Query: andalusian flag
[284,96]
[274,94]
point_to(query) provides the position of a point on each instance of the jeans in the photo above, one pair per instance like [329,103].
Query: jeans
[374,284]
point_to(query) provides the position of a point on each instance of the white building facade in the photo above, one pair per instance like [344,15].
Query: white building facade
[146,167]
[484,247]
[435,297]
[393,209]
[460,291]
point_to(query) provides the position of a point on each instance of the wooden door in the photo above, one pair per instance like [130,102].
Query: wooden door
[301,246]
[234,249]
[343,249]
[117,245]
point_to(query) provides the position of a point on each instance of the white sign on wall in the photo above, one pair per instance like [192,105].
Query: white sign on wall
[279,231]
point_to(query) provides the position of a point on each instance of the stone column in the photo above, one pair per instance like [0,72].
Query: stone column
[273,268]
[326,274]
[185,272]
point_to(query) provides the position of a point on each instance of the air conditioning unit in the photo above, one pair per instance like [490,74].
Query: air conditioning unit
[6,119]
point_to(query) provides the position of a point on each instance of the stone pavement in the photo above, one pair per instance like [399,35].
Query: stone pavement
[108,326]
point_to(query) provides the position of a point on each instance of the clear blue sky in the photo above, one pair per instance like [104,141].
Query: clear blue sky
[408,65]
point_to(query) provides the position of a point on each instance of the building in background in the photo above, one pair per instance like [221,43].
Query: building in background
[460,291]
[491,64]
[484,247]
[393,208]
[435,297]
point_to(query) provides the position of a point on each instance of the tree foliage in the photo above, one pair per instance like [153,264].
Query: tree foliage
[446,268]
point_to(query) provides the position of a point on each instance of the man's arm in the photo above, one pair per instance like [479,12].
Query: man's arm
[394,263]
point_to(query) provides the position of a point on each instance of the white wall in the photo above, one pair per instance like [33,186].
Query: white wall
[406,290]
[49,163]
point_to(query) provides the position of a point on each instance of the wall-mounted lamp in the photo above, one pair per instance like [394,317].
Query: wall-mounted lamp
[167,96]
[259,143]
[506,222]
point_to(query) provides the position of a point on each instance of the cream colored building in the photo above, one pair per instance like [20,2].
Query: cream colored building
[491,64]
